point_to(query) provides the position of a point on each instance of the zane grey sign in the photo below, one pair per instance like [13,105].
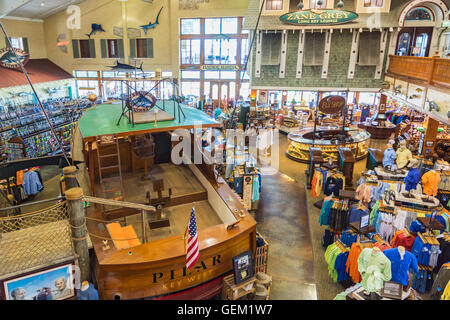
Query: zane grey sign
[318,17]
[332,104]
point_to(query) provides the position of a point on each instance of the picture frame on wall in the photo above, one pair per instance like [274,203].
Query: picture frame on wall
[243,267]
[55,283]
[392,290]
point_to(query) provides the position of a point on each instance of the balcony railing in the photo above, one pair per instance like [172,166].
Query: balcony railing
[434,71]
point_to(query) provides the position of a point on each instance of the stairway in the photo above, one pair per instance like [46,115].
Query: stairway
[111,184]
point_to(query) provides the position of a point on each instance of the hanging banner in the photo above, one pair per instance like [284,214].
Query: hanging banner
[10,60]
[332,104]
[247,191]
[318,17]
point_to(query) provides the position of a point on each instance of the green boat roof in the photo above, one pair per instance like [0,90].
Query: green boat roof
[102,120]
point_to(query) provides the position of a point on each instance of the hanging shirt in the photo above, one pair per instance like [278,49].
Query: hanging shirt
[401,265]
[356,212]
[375,268]
[403,157]
[430,181]
[31,183]
[389,157]
[412,179]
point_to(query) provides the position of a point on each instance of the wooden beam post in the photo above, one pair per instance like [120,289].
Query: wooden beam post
[77,222]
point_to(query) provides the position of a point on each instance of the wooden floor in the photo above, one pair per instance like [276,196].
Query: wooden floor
[179,178]
[178,217]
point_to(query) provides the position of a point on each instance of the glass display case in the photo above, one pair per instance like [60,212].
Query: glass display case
[328,140]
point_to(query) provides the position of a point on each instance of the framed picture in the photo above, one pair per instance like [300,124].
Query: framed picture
[243,267]
[392,290]
[55,283]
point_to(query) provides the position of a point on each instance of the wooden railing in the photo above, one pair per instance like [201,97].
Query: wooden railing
[434,70]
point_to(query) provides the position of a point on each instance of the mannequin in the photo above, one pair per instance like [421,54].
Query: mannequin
[401,262]
[413,177]
[375,268]
[389,156]
[87,292]
[404,155]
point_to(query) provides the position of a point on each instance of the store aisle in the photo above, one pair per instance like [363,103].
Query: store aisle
[283,221]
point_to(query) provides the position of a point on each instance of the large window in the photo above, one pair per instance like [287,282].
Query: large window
[20,43]
[373,3]
[190,26]
[190,51]
[274,4]
[220,51]
[221,25]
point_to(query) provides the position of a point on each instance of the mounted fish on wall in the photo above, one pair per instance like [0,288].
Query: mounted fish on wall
[126,67]
[95,28]
[151,25]
[62,45]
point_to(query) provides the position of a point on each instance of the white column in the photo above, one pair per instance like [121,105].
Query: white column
[301,46]
[258,54]
[383,42]
[283,54]
[353,54]
[392,43]
[326,53]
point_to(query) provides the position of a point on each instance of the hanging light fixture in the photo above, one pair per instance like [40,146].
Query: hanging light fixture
[319,2]
[300,5]
[340,4]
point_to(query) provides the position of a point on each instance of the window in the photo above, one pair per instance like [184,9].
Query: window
[418,14]
[190,51]
[316,44]
[274,4]
[369,48]
[17,43]
[314,5]
[166,74]
[219,51]
[190,26]
[83,48]
[228,75]
[212,26]
[373,3]
[211,75]
[108,74]
[229,25]
[271,47]
[190,88]
[242,27]
[244,50]
[244,76]
[190,74]
[141,48]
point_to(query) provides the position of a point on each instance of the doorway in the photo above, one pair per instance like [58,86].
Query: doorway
[414,41]
[220,93]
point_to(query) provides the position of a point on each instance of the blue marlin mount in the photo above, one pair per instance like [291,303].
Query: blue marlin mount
[151,25]
[94,29]
[126,67]
[10,57]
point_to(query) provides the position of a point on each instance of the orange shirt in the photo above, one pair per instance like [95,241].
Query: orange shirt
[430,181]
[19,177]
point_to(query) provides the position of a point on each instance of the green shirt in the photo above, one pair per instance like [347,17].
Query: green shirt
[330,256]
[375,268]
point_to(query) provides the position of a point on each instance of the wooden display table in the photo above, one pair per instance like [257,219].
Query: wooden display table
[232,291]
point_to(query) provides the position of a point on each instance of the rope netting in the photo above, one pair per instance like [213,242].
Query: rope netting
[35,239]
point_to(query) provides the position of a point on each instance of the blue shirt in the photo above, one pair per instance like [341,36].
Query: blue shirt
[89,294]
[31,183]
[399,266]
[217,113]
[412,179]
[389,157]
[355,214]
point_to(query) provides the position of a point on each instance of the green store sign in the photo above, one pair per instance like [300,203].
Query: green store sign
[318,17]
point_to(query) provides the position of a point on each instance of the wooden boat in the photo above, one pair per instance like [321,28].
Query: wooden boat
[156,269]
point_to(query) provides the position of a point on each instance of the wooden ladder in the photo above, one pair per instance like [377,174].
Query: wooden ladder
[112,186]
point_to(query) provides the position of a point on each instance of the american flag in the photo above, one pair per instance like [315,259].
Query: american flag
[192,251]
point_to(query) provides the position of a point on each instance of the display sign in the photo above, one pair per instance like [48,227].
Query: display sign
[318,17]
[10,57]
[332,104]
[248,191]
[221,67]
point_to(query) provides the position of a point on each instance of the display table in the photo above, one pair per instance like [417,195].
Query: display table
[327,140]
[378,131]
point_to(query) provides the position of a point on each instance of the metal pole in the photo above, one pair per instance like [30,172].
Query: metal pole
[35,94]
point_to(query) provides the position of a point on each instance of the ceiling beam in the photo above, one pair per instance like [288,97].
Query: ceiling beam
[7,6]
